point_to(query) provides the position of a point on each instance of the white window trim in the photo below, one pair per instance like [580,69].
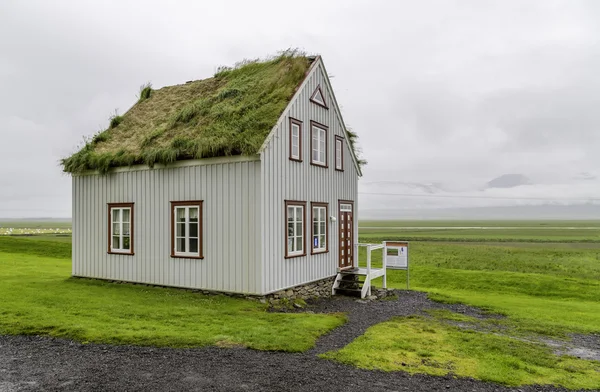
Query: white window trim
[339,159]
[120,207]
[323,207]
[318,130]
[297,206]
[186,205]
[296,124]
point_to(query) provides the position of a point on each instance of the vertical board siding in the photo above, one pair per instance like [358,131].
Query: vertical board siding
[284,179]
[231,228]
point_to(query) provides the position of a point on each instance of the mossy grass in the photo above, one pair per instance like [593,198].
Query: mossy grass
[229,114]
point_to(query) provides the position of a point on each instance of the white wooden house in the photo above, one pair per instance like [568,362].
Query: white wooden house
[278,217]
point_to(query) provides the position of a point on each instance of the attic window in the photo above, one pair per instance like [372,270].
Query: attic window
[295,140]
[318,144]
[318,98]
[339,153]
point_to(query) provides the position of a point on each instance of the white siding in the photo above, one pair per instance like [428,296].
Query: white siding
[289,180]
[231,225]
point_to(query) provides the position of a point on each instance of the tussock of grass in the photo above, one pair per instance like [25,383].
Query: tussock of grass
[229,114]
[422,345]
[145,92]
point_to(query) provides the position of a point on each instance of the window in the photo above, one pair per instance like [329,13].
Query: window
[295,140]
[318,98]
[295,228]
[120,228]
[339,153]
[318,144]
[186,229]
[319,227]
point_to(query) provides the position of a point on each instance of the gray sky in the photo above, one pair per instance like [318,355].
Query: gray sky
[447,94]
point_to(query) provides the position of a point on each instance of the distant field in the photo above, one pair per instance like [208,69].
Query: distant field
[481,231]
[32,224]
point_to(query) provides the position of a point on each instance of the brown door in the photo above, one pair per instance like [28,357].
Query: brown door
[346,235]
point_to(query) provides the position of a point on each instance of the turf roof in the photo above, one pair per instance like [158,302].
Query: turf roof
[231,113]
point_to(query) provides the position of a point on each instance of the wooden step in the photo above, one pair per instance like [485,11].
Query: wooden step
[349,292]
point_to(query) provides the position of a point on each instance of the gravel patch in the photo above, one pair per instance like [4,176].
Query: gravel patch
[46,364]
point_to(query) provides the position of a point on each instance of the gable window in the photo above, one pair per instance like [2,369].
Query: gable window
[120,228]
[319,227]
[318,98]
[318,144]
[339,153]
[186,229]
[295,228]
[295,140]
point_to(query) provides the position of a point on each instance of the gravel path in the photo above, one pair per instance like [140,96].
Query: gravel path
[35,363]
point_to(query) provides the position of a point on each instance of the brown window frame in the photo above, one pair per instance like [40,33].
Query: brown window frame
[312,98]
[189,203]
[312,228]
[294,121]
[131,228]
[326,129]
[341,140]
[285,227]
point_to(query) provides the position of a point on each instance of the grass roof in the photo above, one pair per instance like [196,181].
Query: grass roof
[231,113]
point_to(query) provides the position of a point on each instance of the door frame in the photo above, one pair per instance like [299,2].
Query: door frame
[351,203]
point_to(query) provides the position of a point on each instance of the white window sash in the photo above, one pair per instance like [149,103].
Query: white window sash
[295,153]
[319,217]
[338,154]
[319,145]
[186,237]
[121,235]
[298,217]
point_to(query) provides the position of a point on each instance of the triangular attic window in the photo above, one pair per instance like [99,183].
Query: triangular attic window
[318,97]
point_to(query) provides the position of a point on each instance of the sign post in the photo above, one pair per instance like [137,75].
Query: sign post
[396,257]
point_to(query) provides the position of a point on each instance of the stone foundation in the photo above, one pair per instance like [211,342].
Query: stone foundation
[319,289]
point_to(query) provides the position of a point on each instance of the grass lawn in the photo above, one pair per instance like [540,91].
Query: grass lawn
[423,345]
[40,298]
[544,289]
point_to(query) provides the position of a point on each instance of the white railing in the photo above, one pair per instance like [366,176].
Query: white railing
[366,289]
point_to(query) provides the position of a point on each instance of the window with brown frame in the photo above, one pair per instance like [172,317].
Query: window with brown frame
[295,140]
[320,230]
[295,228]
[318,98]
[120,228]
[186,229]
[318,144]
[339,153]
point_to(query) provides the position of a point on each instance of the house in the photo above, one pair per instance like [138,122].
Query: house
[245,182]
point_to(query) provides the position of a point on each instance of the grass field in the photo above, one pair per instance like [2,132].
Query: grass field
[40,298]
[543,279]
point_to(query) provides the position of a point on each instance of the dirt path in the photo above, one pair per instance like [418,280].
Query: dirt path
[34,363]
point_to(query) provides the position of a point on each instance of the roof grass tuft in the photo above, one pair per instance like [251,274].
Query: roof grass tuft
[231,113]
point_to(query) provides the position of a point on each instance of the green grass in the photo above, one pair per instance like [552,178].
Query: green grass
[40,298]
[481,231]
[33,224]
[425,345]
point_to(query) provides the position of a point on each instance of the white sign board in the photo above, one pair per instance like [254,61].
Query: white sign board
[396,255]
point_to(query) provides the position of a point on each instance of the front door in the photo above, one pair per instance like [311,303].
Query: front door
[346,235]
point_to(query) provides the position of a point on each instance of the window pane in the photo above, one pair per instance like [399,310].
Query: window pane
[193,245]
[116,215]
[295,151]
[322,241]
[126,229]
[299,246]
[126,243]
[322,231]
[290,229]
[291,244]
[316,242]
[194,214]
[180,232]
[126,213]
[316,227]
[180,242]
[298,228]
[290,214]
[193,230]
[116,228]
[180,212]
[115,243]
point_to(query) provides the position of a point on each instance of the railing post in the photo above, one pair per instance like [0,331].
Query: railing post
[384,283]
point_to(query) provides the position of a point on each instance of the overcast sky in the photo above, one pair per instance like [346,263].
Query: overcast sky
[446,94]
